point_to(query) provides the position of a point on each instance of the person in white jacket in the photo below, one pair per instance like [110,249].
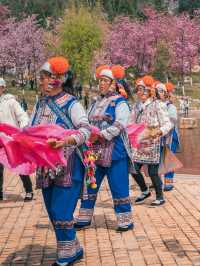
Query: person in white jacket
[12,113]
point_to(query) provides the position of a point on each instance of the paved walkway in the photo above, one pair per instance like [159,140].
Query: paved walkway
[168,235]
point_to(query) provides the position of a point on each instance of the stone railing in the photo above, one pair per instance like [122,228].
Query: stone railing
[188,123]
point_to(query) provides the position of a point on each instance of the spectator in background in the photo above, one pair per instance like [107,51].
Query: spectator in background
[186,105]
[181,104]
[12,113]
[94,96]
[68,85]
[86,99]
[24,104]
[31,82]
[13,82]
[79,90]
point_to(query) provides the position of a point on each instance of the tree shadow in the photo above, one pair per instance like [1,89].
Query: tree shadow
[99,221]
[44,226]
[31,255]
[11,201]
[105,204]
[174,246]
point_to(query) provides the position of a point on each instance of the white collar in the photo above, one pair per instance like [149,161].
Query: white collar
[148,101]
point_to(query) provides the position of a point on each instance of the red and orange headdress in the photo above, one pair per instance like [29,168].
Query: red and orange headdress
[118,71]
[170,87]
[57,66]
[146,81]
[99,70]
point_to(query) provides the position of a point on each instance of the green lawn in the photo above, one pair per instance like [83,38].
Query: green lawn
[30,95]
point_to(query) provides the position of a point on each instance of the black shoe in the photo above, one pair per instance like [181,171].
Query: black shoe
[125,228]
[157,202]
[78,226]
[142,197]
[28,197]
[1,195]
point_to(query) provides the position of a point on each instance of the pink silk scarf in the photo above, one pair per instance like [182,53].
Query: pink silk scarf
[135,134]
[22,150]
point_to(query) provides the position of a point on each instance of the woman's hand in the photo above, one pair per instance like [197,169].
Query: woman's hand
[155,133]
[56,144]
[70,141]
[96,138]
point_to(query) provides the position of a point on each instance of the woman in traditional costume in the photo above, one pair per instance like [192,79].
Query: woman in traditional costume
[110,113]
[172,140]
[154,114]
[61,188]
[13,114]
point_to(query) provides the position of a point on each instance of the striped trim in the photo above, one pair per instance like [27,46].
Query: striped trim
[85,215]
[121,201]
[68,249]
[92,197]
[63,224]
[124,219]
[62,99]
[118,125]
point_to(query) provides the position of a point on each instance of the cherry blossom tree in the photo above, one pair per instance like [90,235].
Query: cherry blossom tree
[132,43]
[135,43]
[4,13]
[22,45]
[185,45]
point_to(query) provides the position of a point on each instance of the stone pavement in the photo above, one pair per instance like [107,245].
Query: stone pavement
[167,235]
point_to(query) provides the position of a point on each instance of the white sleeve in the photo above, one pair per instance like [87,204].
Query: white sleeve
[164,120]
[132,118]
[80,121]
[122,114]
[173,115]
[20,114]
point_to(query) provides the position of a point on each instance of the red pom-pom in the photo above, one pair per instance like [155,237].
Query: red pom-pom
[156,82]
[59,65]
[148,80]
[118,71]
[169,86]
[100,68]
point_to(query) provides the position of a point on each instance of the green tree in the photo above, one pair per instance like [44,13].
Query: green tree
[79,37]
[189,6]
[120,7]
[54,8]
[42,8]
[115,8]
[161,63]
